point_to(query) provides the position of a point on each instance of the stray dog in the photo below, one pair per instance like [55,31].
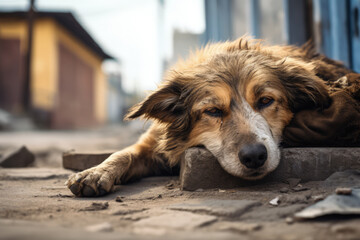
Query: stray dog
[233,98]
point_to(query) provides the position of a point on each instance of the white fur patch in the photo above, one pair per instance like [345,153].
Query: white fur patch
[260,127]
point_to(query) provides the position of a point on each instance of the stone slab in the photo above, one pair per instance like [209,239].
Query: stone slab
[200,169]
[33,173]
[333,204]
[82,161]
[349,178]
[223,208]
[17,158]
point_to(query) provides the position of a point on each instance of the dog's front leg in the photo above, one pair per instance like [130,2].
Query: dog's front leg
[132,162]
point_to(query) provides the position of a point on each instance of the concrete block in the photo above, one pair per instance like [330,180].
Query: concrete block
[80,161]
[17,158]
[200,169]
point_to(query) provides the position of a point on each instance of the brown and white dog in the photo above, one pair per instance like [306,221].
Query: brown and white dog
[233,98]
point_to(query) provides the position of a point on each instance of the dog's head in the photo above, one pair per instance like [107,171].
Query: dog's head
[236,104]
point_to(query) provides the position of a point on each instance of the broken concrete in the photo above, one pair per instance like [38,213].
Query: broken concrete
[17,158]
[348,178]
[223,208]
[80,162]
[200,169]
[333,204]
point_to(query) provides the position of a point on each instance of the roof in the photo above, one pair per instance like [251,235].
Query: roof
[69,22]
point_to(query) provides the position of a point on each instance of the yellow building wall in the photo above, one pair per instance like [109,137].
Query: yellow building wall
[44,58]
[44,74]
[47,34]
[87,56]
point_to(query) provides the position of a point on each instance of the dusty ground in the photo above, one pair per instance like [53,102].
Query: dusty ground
[35,204]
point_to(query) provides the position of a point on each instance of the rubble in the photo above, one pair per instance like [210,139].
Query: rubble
[343,191]
[17,158]
[96,206]
[333,204]
[318,198]
[119,199]
[275,201]
[299,188]
[289,220]
[293,182]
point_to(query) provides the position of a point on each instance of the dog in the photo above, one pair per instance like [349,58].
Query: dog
[233,98]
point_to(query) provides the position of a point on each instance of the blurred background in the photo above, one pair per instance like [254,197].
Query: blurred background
[80,64]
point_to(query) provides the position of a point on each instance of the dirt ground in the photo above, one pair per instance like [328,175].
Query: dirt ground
[35,204]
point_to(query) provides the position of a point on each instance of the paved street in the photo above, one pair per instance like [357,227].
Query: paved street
[35,204]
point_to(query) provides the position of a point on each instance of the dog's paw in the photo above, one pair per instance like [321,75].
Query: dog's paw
[92,182]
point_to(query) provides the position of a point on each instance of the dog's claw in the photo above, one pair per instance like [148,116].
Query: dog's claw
[75,189]
[102,191]
[88,192]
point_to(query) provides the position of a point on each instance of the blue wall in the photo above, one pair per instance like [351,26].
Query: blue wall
[334,25]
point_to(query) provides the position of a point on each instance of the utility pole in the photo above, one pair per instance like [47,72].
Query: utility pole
[27,73]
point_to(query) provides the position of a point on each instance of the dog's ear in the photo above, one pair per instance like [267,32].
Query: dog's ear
[163,104]
[304,90]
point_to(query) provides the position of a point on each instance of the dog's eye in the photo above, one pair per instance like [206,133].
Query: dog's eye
[214,112]
[265,102]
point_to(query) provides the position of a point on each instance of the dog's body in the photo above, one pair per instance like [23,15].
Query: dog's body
[233,98]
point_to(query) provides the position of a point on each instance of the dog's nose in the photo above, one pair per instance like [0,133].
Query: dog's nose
[253,155]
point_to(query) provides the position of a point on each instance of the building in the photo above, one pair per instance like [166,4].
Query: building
[183,44]
[117,99]
[333,25]
[68,86]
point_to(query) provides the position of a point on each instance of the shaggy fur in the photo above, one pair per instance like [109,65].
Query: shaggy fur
[232,98]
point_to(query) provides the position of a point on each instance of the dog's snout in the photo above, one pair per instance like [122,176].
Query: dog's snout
[253,155]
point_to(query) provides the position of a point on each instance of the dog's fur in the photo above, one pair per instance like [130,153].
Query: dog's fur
[226,97]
